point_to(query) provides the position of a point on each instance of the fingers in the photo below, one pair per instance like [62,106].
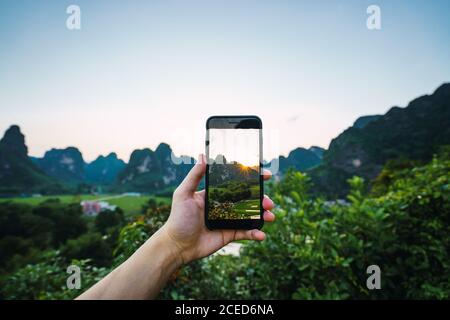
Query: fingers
[192,180]
[254,234]
[267,174]
[267,203]
[201,193]
[268,216]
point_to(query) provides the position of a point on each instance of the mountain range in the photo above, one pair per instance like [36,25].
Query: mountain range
[68,165]
[63,170]
[415,132]
[222,171]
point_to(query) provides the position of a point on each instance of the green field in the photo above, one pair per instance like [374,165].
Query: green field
[234,200]
[129,204]
[133,205]
[247,207]
[255,191]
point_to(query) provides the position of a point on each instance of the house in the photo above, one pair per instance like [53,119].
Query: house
[92,208]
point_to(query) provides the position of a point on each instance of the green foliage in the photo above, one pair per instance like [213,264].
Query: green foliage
[136,233]
[130,239]
[315,250]
[89,246]
[321,250]
[393,170]
[68,222]
[233,200]
[24,228]
[107,220]
[29,236]
[232,191]
[47,279]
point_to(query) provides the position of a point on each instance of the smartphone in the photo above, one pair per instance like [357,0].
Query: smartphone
[234,177]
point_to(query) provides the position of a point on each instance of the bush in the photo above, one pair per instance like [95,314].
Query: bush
[107,220]
[321,250]
[89,246]
[47,279]
[315,250]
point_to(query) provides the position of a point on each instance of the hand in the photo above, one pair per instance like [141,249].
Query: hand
[183,238]
[186,227]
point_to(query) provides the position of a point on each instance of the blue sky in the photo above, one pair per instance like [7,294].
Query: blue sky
[142,72]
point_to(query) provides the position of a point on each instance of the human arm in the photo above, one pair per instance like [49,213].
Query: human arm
[183,238]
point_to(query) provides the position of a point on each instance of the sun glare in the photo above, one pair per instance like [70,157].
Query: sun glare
[244,168]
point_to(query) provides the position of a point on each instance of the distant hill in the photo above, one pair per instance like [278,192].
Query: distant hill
[414,132]
[18,174]
[363,121]
[222,171]
[153,171]
[301,159]
[63,164]
[147,170]
[318,151]
[104,170]
[63,170]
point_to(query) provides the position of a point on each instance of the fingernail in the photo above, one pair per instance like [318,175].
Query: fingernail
[262,235]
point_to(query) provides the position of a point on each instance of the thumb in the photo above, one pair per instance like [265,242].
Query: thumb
[193,178]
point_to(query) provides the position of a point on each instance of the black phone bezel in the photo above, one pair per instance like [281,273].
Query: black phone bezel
[234,122]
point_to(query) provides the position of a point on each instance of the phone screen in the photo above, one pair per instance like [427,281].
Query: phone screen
[234,181]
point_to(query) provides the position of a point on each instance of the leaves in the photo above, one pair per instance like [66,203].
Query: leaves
[315,250]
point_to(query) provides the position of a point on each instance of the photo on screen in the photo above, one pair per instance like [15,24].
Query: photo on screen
[234,174]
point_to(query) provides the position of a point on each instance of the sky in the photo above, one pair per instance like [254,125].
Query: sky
[236,145]
[139,73]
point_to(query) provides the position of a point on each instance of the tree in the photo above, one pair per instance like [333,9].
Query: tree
[107,220]
[88,246]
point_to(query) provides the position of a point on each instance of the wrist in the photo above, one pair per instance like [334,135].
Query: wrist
[173,251]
